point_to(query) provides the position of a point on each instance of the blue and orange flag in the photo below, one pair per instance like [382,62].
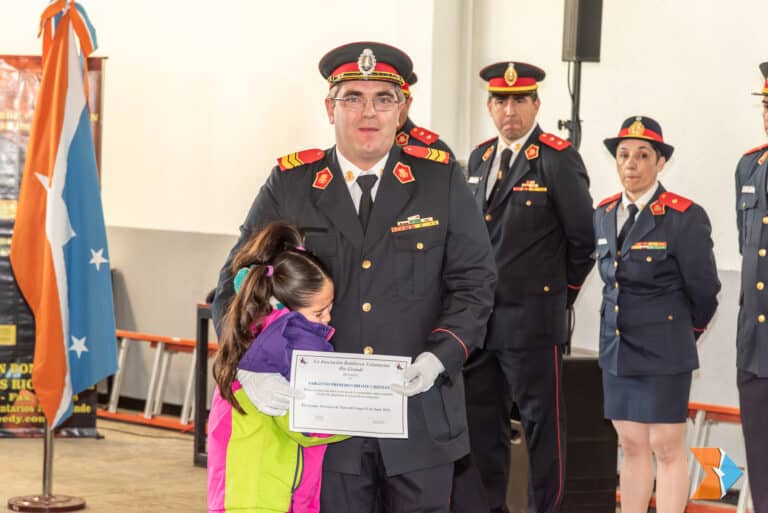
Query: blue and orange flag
[59,247]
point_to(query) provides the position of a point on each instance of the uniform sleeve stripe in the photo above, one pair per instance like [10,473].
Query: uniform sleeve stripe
[574,287]
[699,330]
[463,345]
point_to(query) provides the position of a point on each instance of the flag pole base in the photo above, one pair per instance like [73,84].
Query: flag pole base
[46,503]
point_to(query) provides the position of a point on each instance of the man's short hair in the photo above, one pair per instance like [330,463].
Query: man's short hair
[334,92]
[533,94]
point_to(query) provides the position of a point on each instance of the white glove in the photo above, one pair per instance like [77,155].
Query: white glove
[420,375]
[269,392]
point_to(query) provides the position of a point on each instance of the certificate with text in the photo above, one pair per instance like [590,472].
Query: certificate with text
[348,394]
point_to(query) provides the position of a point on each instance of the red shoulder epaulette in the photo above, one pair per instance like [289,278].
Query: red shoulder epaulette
[300,158]
[757,148]
[675,201]
[487,141]
[609,199]
[422,134]
[425,153]
[554,141]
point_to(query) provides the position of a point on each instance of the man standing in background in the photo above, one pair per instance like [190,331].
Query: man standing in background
[533,190]
[752,332]
[410,134]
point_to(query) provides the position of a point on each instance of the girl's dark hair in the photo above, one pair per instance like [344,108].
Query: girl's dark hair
[296,276]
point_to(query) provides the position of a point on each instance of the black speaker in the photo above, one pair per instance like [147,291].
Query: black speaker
[591,447]
[581,30]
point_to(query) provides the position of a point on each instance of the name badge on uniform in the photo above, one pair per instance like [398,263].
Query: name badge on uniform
[473,179]
[602,241]
[749,189]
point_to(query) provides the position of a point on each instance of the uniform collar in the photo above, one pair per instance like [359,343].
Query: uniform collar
[642,201]
[517,144]
[351,171]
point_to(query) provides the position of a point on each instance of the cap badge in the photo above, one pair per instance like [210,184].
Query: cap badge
[637,128]
[366,62]
[510,76]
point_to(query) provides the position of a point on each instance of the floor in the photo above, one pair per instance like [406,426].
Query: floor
[132,469]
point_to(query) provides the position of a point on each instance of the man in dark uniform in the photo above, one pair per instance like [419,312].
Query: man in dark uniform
[533,190]
[413,272]
[752,336]
[410,134]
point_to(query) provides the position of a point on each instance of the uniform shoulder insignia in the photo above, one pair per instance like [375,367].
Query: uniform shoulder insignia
[422,134]
[756,149]
[675,201]
[554,141]
[422,152]
[609,199]
[401,138]
[299,158]
[487,141]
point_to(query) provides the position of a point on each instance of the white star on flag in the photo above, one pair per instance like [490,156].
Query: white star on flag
[78,346]
[97,258]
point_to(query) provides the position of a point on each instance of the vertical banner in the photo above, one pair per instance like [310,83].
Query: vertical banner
[59,257]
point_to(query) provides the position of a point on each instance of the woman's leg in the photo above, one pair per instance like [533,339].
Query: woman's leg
[636,473]
[672,483]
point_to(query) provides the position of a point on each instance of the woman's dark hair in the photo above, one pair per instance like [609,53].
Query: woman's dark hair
[296,276]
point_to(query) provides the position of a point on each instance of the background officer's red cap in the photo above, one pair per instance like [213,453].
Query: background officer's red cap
[512,77]
[764,71]
[640,127]
[366,61]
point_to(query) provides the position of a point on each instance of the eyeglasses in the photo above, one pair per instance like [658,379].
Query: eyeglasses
[358,103]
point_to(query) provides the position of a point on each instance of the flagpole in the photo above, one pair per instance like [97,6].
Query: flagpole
[47,502]
[47,461]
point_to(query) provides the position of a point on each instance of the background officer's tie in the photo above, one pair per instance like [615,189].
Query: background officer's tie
[366,183]
[494,177]
[630,222]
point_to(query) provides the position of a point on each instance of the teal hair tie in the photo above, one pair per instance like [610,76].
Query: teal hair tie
[240,277]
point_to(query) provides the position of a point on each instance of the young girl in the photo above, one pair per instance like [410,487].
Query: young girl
[283,302]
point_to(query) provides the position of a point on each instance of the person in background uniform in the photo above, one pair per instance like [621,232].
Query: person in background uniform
[533,190]
[655,257]
[410,134]
[413,273]
[752,334]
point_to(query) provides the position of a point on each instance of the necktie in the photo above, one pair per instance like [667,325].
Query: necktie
[630,222]
[493,178]
[366,183]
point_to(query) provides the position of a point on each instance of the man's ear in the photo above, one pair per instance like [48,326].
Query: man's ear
[329,106]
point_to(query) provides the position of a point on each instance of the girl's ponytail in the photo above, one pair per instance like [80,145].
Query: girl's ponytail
[271,267]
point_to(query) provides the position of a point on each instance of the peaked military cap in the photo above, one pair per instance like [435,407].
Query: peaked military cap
[512,77]
[366,60]
[764,71]
[640,127]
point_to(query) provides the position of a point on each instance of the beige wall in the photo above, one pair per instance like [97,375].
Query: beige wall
[201,97]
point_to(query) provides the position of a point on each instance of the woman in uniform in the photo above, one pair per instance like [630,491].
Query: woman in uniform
[654,251]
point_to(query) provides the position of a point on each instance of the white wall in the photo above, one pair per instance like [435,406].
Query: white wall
[201,97]
[690,65]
